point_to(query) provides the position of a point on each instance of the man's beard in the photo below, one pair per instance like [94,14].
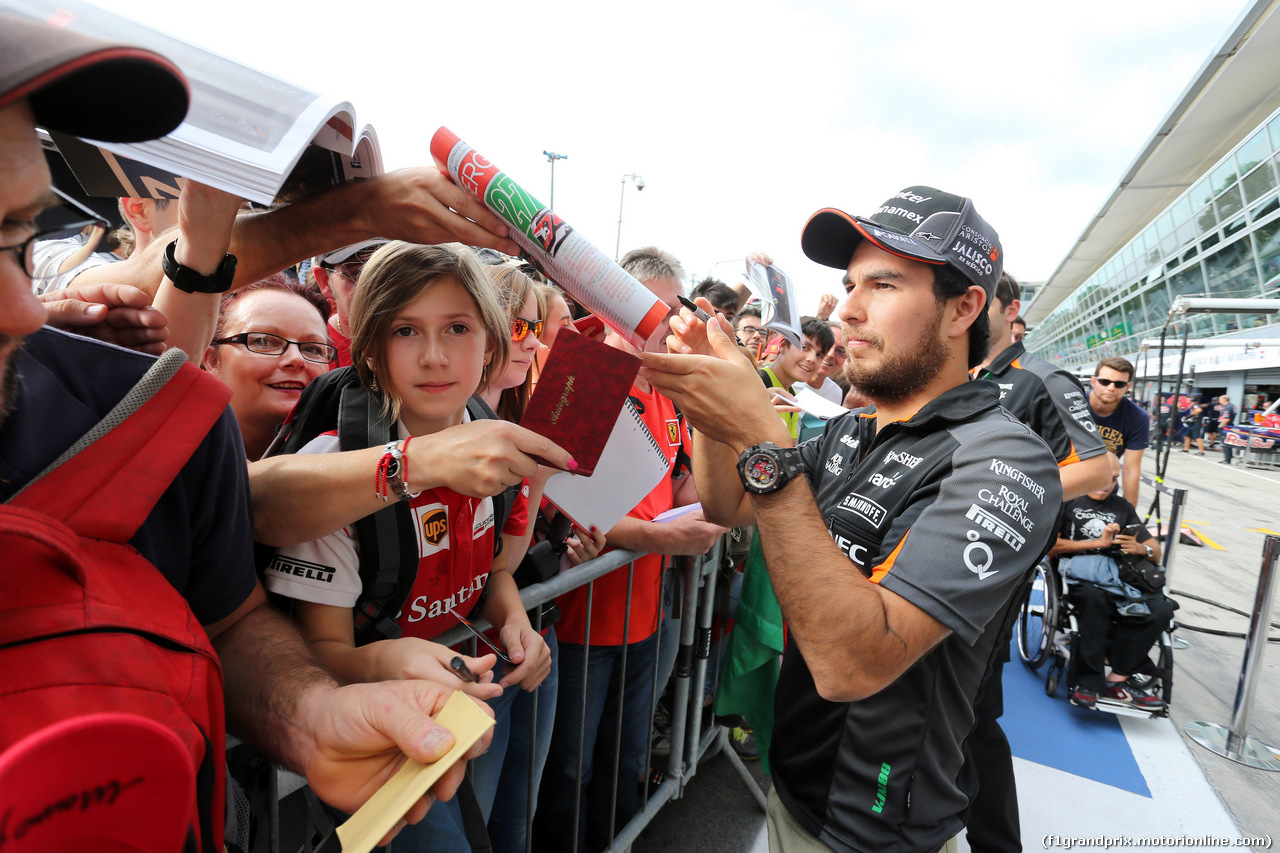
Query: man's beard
[903,374]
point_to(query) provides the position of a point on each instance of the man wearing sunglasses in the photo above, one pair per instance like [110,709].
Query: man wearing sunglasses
[336,274]
[1122,424]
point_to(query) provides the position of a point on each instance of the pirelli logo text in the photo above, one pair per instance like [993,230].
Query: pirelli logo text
[301,569]
[864,508]
[993,524]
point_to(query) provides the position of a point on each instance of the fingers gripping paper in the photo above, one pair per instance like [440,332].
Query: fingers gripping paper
[586,273]
[375,818]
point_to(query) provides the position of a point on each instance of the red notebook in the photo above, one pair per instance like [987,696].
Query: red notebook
[579,395]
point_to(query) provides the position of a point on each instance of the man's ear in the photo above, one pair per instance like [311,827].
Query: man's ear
[212,361]
[967,307]
[322,281]
[1012,310]
[135,213]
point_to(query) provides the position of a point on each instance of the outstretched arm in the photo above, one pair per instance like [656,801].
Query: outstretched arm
[347,741]
[301,497]
[419,205]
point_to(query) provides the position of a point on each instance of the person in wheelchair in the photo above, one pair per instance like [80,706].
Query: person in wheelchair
[1100,533]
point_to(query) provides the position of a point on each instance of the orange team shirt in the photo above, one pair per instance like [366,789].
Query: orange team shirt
[607,618]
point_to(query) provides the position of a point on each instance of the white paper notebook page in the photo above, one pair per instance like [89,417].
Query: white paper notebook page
[630,466]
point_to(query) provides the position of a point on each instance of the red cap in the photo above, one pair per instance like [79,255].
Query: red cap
[112,783]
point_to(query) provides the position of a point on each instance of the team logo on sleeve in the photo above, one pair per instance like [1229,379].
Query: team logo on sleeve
[673,432]
[301,568]
[433,528]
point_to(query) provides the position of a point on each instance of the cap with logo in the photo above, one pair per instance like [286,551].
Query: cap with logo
[84,86]
[108,782]
[347,254]
[920,223]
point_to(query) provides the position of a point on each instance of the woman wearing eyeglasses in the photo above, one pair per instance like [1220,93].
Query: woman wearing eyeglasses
[270,342]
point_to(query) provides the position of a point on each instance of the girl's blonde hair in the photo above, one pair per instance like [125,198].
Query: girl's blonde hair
[514,288]
[396,275]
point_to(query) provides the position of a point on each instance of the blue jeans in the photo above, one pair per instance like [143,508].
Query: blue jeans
[555,817]
[501,775]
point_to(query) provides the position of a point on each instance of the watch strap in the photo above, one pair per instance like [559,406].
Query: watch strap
[189,281]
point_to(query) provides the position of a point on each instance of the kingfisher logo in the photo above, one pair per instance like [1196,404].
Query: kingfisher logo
[435,526]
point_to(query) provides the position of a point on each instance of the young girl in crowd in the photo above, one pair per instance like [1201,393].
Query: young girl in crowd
[501,775]
[270,342]
[427,333]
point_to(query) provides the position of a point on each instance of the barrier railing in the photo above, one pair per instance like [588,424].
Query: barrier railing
[693,738]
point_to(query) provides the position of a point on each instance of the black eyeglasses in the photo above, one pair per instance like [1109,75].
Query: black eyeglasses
[264,343]
[25,251]
[520,328]
[1120,384]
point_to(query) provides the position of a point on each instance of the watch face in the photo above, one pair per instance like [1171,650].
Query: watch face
[761,470]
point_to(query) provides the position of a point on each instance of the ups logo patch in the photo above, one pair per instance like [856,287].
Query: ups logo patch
[435,526]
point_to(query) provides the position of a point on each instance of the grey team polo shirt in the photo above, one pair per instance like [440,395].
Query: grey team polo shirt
[949,510]
[1049,400]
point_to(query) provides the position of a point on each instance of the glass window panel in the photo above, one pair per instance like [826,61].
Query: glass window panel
[1223,177]
[1181,210]
[1185,234]
[1206,220]
[1266,243]
[1134,314]
[1274,129]
[1201,325]
[1189,282]
[1253,152]
[1234,227]
[1158,302]
[1201,194]
[1267,207]
[1229,204]
[1210,241]
[1149,238]
[1259,182]
[1164,224]
[1231,271]
[1190,253]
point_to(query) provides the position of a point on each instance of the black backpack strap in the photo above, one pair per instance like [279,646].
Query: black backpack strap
[388,548]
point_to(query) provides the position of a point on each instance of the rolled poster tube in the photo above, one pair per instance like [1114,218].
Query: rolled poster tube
[587,274]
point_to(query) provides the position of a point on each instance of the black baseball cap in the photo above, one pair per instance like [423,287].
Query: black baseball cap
[920,223]
[87,87]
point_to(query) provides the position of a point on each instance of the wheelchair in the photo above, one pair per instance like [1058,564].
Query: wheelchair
[1046,631]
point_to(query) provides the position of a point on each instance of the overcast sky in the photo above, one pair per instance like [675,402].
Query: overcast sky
[744,118]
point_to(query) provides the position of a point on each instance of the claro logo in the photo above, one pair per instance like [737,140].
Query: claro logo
[435,526]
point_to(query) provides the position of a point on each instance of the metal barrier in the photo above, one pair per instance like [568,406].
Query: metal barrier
[692,737]
[1234,742]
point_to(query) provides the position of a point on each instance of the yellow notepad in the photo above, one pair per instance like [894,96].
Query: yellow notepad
[364,829]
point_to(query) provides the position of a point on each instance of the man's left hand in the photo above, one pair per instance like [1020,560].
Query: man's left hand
[361,734]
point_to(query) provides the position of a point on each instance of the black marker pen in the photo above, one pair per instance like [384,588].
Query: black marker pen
[460,669]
